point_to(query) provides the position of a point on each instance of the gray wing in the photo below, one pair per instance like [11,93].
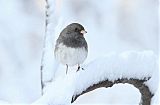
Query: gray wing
[58,41]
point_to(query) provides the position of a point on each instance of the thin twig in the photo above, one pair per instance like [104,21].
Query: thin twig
[44,45]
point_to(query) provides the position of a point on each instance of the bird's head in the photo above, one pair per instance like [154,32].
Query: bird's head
[75,28]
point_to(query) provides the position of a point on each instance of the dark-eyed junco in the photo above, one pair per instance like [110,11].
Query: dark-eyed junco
[71,47]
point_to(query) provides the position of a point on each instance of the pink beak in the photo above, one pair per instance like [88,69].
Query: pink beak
[83,32]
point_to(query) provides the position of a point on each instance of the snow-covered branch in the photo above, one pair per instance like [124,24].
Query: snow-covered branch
[139,84]
[48,64]
[129,67]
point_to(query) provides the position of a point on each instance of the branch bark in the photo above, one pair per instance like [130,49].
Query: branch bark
[146,94]
[48,64]
[44,45]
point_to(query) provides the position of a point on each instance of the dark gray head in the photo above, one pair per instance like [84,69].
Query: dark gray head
[72,36]
[74,29]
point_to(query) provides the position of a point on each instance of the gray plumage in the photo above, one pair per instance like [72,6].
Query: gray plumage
[72,38]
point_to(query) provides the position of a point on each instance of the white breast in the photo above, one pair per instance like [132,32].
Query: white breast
[70,56]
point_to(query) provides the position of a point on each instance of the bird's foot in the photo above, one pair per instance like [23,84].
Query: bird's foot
[66,69]
[79,68]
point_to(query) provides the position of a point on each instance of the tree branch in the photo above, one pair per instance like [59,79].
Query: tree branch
[146,95]
[44,45]
[48,64]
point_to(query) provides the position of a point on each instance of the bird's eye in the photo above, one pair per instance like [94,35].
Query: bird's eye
[76,29]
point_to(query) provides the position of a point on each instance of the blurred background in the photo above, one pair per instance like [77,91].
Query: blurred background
[112,26]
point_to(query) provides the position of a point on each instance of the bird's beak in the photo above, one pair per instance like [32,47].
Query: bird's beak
[83,32]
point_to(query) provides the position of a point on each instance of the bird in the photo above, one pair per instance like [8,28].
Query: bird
[71,48]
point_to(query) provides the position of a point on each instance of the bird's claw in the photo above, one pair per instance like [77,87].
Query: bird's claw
[79,68]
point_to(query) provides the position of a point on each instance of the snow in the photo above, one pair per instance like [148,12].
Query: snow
[19,62]
[112,95]
[125,65]
[48,53]
[112,26]
[4,103]
[111,67]
[60,91]
[154,85]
